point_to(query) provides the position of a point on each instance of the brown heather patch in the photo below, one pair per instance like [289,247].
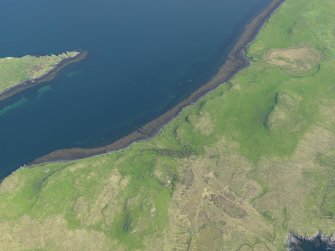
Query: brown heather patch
[104,207]
[52,234]
[223,202]
[297,60]
[285,115]
[203,123]
[211,204]
[11,184]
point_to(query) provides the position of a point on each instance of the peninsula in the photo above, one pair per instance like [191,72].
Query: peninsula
[17,74]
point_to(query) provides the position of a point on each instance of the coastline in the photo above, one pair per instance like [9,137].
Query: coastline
[235,61]
[48,76]
[319,241]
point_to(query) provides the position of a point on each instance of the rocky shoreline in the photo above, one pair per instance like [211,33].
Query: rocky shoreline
[235,61]
[51,74]
[318,242]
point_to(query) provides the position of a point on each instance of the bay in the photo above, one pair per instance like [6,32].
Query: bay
[144,56]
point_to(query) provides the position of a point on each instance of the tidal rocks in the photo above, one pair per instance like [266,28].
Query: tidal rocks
[318,242]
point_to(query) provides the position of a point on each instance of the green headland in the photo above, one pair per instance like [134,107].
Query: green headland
[21,73]
[238,170]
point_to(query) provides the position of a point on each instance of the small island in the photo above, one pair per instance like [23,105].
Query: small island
[17,74]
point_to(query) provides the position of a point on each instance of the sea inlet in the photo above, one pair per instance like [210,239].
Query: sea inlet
[144,57]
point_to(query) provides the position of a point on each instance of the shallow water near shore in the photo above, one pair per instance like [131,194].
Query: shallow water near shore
[144,57]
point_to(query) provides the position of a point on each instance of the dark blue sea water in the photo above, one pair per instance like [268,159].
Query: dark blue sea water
[144,57]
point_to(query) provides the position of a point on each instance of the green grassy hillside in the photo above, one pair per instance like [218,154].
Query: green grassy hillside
[238,170]
[17,70]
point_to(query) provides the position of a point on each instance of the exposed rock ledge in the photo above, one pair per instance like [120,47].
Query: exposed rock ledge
[318,242]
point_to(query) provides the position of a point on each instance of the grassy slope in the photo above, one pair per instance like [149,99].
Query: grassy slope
[17,70]
[249,162]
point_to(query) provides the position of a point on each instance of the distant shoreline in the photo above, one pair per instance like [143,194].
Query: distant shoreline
[50,75]
[235,62]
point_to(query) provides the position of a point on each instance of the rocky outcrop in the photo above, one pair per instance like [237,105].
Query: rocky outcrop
[318,242]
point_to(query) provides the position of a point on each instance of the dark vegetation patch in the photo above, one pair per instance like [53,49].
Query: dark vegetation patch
[318,242]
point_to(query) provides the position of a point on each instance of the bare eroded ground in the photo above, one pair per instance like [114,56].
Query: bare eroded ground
[298,60]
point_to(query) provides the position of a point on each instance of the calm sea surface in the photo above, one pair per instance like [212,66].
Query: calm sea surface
[144,57]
